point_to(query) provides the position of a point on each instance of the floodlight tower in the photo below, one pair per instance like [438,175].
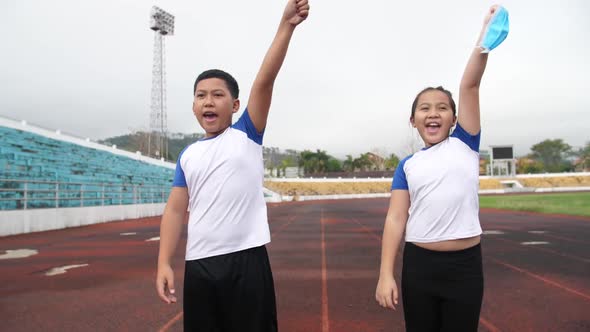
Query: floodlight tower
[162,23]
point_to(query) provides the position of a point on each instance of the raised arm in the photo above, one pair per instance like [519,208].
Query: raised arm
[295,12]
[469,117]
[395,224]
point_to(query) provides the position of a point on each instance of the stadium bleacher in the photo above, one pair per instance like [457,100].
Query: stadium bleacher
[55,173]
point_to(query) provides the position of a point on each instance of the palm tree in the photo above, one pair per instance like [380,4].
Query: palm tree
[314,162]
[348,164]
[391,162]
[363,162]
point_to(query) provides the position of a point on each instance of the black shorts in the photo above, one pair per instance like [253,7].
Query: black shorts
[231,292]
[442,290]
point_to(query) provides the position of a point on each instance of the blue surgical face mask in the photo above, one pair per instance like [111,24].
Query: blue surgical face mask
[496,30]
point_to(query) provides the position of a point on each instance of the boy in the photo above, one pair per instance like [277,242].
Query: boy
[228,283]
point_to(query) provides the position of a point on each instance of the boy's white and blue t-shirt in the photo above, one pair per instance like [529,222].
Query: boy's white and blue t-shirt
[443,183]
[224,176]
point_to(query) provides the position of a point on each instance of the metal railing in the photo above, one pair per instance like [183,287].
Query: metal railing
[28,194]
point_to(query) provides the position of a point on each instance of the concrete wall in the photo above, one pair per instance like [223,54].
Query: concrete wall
[37,220]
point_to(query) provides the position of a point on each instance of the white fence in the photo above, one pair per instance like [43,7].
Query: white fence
[32,206]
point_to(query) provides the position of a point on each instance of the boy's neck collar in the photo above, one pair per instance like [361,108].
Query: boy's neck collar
[214,136]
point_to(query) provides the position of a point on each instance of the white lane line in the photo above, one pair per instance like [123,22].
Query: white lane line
[127,234]
[325,307]
[157,238]
[537,232]
[492,232]
[18,253]
[62,269]
[534,243]
[543,279]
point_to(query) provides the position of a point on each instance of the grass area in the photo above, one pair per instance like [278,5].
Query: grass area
[563,203]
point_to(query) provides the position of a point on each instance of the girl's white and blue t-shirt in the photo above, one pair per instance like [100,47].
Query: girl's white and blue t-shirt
[224,176]
[443,183]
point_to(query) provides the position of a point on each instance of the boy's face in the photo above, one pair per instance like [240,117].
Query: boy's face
[213,105]
[433,117]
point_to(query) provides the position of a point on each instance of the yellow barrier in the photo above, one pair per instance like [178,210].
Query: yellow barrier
[294,188]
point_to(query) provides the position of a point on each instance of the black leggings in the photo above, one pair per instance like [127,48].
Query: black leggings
[442,290]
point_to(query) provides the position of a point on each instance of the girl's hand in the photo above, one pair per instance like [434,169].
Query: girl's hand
[386,293]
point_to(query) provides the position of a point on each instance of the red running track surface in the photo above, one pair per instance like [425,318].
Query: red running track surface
[325,258]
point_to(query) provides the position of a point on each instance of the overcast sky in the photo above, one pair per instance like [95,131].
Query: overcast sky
[350,76]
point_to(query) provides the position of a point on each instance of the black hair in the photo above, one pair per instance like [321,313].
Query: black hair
[230,82]
[438,88]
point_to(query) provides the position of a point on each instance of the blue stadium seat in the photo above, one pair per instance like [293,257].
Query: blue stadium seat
[41,161]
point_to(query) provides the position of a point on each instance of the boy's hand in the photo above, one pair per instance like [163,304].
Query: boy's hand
[165,284]
[296,11]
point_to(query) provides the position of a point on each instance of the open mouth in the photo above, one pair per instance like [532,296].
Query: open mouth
[210,116]
[432,127]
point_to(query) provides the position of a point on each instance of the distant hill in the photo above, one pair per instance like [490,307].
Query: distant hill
[273,157]
[139,142]
[276,161]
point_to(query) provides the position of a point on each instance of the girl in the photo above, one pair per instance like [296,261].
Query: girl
[434,200]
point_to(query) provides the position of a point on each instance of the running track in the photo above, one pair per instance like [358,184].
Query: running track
[325,257]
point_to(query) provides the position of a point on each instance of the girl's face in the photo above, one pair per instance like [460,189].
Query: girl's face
[433,117]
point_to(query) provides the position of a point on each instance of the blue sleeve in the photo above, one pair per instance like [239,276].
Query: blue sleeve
[179,179]
[399,177]
[472,141]
[245,124]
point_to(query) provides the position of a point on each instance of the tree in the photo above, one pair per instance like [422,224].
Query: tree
[322,158]
[138,141]
[553,154]
[348,164]
[333,165]
[391,162]
[526,165]
[314,162]
[583,162]
[287,162]
[363,162]
[306,161]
